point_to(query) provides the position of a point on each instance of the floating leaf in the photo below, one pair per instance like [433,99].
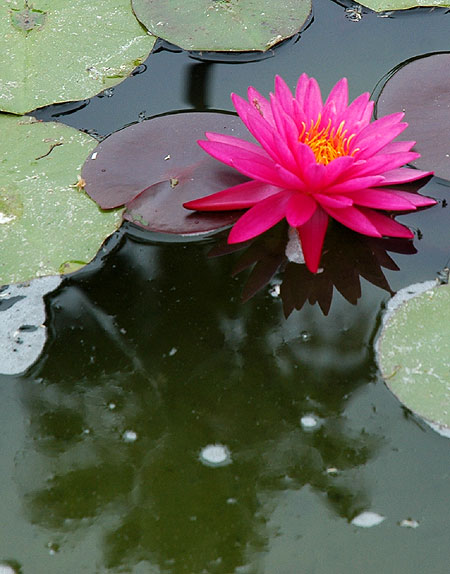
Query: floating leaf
[48,225]
[58,50]
[223,25]
[421,88]
[22,330]
[414,352]
[155,166]
[384,5]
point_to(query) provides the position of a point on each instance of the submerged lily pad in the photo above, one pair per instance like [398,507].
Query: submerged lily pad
[413,352]
[223,25]
[421,88]
[155,166]
[385,5]
[59,50]
[48,225]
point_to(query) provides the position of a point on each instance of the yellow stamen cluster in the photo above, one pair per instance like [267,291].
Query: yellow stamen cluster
[326,143]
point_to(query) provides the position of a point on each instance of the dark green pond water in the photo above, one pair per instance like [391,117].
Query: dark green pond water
[152,357]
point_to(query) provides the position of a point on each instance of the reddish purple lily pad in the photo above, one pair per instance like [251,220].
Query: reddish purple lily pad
[421,89]
[155,166]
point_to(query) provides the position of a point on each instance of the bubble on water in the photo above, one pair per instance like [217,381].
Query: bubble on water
[7,569]
[129,436]
[112,406]
[275,290]
[172,351]
[53,548]
[409,523]
[305,336]
[215,455]
[309,422]
[368,519]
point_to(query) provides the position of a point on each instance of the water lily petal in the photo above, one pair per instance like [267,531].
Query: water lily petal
[381,163]
[404,175]
[378,134]
[259,218]
[251,164]
[414,198]
[385,225]
[246,111]
[237,197]
[335,201]
[236,142]
[260,103]
[356,183]
[400,146]
[354,218]
[299,209]
[337,170]
[283,95]
[379,198]
[337,102]
[313,101]
[358,114]
[312,235]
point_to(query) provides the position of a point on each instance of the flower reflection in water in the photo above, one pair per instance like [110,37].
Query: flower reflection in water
[347,256]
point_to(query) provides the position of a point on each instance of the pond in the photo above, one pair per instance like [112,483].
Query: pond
[169,427]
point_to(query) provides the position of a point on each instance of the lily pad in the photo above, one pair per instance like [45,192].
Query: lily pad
[223,25]
[59,50]
[385,5]
[48,226]
[421,88]
[155,166]
[22,330]
[413,352]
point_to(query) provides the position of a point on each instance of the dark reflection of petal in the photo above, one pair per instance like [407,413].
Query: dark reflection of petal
[347,256]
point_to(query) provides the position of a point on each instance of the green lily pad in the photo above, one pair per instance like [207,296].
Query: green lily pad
[223,25]
[59,50]
[385,5]
[421,88]
[414,353]
[48,225]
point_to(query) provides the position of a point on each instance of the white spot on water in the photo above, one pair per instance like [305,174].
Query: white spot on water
[5,569]
[172,351]
[309,422]
[215,455]
[129,436]
[368,519]
[275,291]
[409,523]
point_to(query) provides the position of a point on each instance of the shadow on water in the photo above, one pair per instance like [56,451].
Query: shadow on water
[152,358]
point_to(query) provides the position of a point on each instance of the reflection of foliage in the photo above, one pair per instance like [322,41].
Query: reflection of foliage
[238,378]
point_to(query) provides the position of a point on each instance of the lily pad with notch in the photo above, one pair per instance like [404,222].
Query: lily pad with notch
[223,25]
[426,104]
[48,225]
[59,51]
[153,167]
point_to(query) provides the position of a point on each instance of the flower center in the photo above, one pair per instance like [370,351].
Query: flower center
[327,143]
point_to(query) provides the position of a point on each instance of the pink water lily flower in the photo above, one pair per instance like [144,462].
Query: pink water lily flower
[314,161]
